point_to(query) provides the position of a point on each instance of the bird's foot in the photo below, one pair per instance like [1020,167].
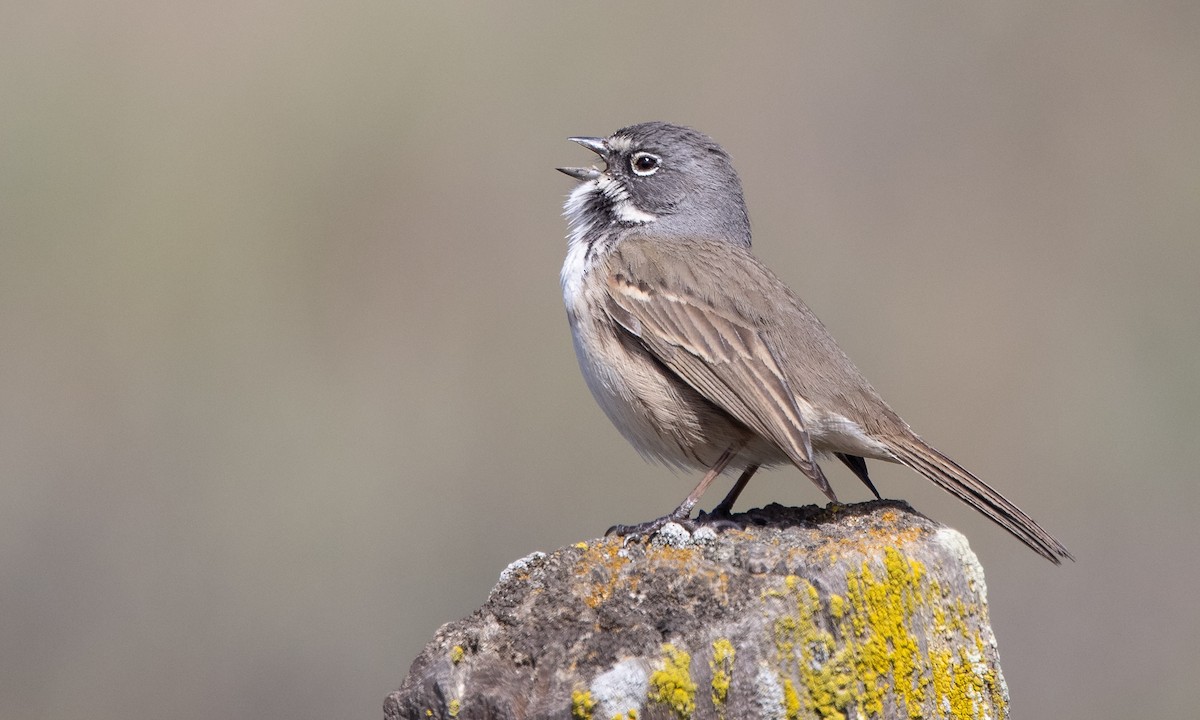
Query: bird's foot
[720,519]
[648,529]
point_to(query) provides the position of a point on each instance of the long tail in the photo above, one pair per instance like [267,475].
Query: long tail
[958,481]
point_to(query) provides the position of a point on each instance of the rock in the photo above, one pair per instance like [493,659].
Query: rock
[869,611]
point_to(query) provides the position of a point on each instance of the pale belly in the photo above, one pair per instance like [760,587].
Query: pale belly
[662,417]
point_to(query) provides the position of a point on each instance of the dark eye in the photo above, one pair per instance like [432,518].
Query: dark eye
[644,163]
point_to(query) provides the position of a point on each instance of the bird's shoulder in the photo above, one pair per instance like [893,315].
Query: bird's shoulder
[710,274]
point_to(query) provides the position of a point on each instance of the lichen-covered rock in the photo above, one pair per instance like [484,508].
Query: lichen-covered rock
[863,611]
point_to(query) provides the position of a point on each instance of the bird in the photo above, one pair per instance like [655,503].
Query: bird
[701,356]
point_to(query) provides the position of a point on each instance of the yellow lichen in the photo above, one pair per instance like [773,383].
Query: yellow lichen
[602,563]
[960,680]
[990,680]
[791,700]
[582,705]
[809,651]
[672,684]
[887,648]
[454,707]
[822,674]
[837,606]
[722,671]
[836,652]
[683,558]
[456,654]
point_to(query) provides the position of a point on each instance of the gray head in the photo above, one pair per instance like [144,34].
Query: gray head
[662,178]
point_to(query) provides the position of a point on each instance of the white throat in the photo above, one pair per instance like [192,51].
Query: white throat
[587,225]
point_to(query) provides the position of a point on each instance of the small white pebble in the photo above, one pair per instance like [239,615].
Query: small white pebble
[672,535]
[522,565]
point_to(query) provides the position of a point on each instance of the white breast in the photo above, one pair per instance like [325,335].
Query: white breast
[660,416]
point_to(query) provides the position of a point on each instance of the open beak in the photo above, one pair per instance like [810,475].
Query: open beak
[596,145]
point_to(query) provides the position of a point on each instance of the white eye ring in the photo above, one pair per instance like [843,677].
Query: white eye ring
[644,163]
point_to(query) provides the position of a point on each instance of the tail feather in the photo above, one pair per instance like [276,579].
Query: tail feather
[958,481]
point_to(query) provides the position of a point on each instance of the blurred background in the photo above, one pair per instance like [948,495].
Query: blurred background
[286,380]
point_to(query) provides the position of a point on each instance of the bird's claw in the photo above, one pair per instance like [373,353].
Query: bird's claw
[647,529]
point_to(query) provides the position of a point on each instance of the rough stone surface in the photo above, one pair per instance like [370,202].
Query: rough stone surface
[863,611]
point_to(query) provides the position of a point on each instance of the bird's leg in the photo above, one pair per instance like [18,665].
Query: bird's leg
[684,511]
[859,466]
[721,517]
[725,508]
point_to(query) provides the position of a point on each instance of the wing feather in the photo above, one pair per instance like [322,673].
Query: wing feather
[716,352]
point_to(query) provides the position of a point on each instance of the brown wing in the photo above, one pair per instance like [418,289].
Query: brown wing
[688,287]
[702,308]
[709,344]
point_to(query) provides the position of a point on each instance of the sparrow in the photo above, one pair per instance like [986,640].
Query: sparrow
[705,360]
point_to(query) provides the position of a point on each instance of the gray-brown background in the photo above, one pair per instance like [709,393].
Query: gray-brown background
[285,378]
